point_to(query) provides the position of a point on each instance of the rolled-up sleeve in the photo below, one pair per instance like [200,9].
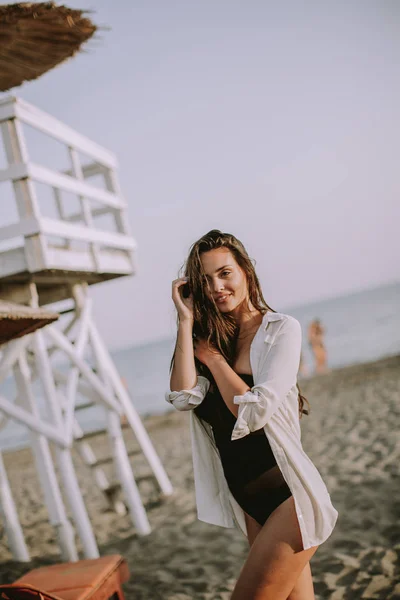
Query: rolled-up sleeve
[278,376]
[189,399]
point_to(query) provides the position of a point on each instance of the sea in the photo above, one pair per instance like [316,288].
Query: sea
[359,327]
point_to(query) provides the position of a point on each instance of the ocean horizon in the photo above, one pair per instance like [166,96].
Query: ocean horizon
[360,327]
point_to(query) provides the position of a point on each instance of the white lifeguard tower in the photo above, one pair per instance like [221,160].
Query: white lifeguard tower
[69,231]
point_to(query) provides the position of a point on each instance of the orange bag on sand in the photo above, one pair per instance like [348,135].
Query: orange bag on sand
[91,579]
[23,592]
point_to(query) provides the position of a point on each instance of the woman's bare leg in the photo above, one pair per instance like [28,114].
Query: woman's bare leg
[253,528]
[276,558]
[304,587]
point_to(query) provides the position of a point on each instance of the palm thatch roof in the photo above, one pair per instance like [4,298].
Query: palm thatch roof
[17,320]
[35,37]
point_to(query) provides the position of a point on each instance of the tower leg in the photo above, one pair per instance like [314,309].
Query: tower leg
[10,519]
[120,455]
[63,456]
[130,412]
[125,475]
[45,468]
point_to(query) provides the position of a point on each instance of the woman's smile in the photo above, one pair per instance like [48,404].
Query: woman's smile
[222,299]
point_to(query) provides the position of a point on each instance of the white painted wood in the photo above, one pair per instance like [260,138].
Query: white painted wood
[89,170]
[16,107]
[45,466]
[70,260]
[84,449]
[14,171]
[130,412]
[27,203]
[70,184]
[21,170]
[61,212]
[79,232]
[29,226]
[115,261]
[9,355]
[73,376]
[41,254]
[89,458]
[39,426]
[3,422]
[110,261]
[120,217]
[14,142]
[7,109]
[55,268]
[120,456]
[85,204]
[9,516]
[57,338]
[125,476]
[12,261]
[82,388]
[96,212]
[63,456]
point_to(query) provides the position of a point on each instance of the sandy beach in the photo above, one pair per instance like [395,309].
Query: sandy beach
[351,435]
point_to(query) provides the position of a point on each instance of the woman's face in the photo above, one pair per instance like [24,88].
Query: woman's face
[227,283]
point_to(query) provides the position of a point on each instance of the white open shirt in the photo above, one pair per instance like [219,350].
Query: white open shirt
[272,404]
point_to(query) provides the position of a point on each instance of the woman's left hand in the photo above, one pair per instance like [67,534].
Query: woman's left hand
[205,352]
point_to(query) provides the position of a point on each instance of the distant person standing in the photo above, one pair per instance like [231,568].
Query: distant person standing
[316,334]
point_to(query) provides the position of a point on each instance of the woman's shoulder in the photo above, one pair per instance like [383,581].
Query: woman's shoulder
[277,324]
[280,319]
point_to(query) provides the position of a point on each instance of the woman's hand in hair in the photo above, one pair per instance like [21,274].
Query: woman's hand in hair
[184,306]
[205,352]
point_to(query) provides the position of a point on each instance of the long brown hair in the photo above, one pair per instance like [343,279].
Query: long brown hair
[210,323]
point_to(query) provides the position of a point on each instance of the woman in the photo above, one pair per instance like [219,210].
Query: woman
[316,341]
[234,367]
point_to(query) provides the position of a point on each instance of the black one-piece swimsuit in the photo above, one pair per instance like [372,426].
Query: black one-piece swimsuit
[249,465]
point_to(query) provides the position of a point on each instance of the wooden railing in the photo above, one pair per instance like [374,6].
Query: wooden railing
[39,231]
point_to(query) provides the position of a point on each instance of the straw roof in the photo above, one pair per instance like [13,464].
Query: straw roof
[17,320]
[35,37]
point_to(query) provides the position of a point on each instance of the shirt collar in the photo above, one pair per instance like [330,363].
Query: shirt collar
[272,316]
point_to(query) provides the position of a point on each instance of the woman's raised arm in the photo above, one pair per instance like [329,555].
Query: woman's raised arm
[187,388]
[183,375]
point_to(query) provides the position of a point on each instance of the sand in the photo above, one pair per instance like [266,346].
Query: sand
[353,438]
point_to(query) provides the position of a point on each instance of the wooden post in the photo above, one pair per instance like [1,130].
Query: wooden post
[9,515]
[121,459]
[44,466]
[27,203]
[63,456]
[85,204]
[131,414]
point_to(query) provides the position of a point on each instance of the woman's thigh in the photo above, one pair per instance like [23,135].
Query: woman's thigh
[253,528]
[276,558]
[304,587]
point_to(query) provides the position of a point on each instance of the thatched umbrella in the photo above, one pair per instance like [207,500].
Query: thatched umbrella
[17,320]
[35,37]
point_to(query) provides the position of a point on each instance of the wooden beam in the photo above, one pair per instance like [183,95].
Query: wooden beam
[89,170]
[78,232]
[96,212]
[13,107]
[70,184]
[24,227]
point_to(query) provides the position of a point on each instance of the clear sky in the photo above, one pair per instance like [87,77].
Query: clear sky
[276,121]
